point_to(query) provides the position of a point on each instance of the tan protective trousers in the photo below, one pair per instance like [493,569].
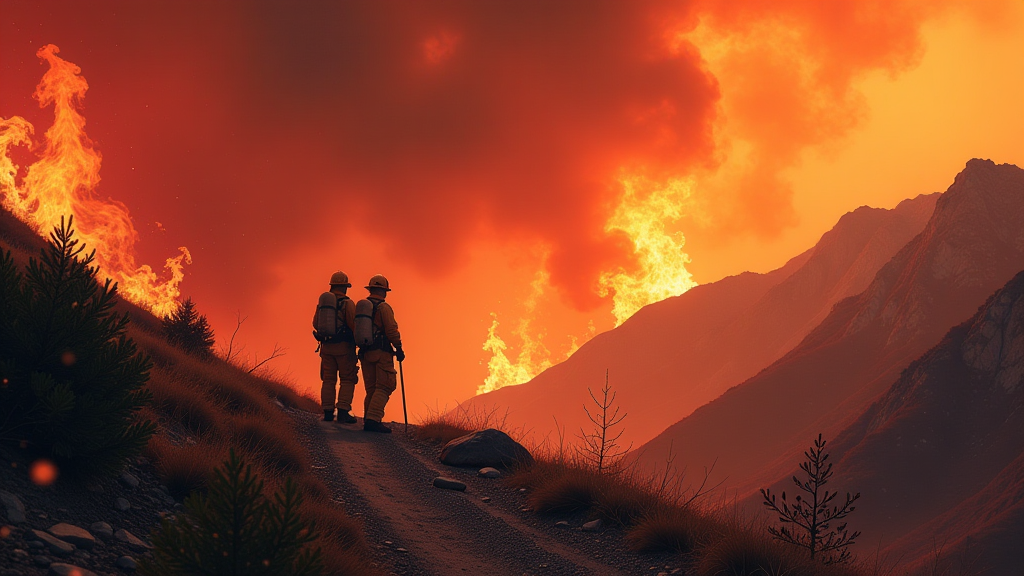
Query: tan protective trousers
[380,379]
[338,363]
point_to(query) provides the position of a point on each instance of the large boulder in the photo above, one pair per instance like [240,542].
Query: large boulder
[485,448]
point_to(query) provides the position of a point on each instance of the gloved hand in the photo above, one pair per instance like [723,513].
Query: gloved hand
[400,354]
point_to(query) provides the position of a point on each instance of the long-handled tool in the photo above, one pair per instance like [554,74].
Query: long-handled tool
[405,413]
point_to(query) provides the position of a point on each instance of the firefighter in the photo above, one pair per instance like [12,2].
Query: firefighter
[338,356]
[378,359]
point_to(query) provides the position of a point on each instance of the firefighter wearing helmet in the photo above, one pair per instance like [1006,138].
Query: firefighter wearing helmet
[333,325]
[378,357]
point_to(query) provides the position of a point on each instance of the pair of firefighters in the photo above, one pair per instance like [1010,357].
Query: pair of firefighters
[338,359]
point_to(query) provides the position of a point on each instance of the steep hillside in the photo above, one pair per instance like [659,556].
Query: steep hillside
[943,447]
[973,244]
[673,356]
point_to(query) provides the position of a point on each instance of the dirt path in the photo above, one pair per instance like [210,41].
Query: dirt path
[419,529]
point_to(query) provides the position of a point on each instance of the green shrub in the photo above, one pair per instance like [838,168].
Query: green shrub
[189,330]
[71,381]
[235,529]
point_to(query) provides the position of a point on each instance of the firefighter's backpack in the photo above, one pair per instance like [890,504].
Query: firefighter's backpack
[328,328]
[366,332]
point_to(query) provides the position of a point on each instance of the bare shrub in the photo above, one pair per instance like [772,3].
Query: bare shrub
[600,448]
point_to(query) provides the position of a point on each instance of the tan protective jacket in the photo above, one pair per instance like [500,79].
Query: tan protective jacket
[385,320]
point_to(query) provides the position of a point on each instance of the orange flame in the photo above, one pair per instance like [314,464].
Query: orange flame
[63,182]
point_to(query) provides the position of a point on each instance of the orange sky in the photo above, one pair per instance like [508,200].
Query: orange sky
[488,144]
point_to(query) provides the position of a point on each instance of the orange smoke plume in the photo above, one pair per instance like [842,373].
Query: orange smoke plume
[63,183]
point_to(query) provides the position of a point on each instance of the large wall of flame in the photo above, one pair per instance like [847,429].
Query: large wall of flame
[431,141]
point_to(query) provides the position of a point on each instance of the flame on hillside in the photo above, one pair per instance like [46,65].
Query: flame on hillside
[644,214]
[62,182]
[661,263]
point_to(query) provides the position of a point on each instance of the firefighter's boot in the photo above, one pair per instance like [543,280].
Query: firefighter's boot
[345,418]
[328,415]
[375,426]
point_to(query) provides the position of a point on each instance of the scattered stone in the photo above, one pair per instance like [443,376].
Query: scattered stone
[561,524]
[122,505]
[58,569]
[13,506]
[449,484]
[132,540]
[126,563]
[388,542]
[543,565]
[676,571]
[524,509]
[54,545]
[522,490]
[403,550]
[20,554]
[662,574]
[73,535]
[489,472]
[129,480]
[488,447]
[485,499]
[36,544]
[593,525]
[101,530]
[42,561]
[95,487]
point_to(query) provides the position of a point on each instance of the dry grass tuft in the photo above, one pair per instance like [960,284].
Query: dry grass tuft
[677,530]
[445,426]
[188,467]
[742,552]
[341,537]
[268,441]
[179,402]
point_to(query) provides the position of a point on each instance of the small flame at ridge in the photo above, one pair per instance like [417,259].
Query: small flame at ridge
[662,263]
[63,182]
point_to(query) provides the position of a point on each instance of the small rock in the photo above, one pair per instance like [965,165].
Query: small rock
[676,571]
[662,574]
[58,569]
[54,545]
[101,530]
[485,499]
[489,472]
[522,490]
[36,544]
[126,563]
[524,509]
[132,540]
[41,561]
[129,480]
[561,524]
[73,535]
[14,508]
[400,550]
[593,525]
[20,554]
[95,487]
[449,484]
[543,565]
[122,505]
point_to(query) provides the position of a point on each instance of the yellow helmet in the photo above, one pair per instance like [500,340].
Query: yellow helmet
[379,281]
[339,278]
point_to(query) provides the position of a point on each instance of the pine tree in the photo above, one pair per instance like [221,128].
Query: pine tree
[235,529]
[189,330]
[71,381]
[812,519]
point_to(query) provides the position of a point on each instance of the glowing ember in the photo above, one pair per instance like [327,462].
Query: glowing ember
[43,472]
[659,253]
[63,182]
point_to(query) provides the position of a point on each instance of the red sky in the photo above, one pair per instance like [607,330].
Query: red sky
[451,145]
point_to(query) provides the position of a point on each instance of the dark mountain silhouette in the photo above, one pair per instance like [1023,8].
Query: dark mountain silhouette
[942,450]
[973,244]
[678,354]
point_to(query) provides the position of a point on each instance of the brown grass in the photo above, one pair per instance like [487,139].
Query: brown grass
[679,530]
[187,467]
[266,441]
[444,426]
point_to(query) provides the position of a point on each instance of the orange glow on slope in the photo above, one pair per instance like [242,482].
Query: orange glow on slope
[63,182]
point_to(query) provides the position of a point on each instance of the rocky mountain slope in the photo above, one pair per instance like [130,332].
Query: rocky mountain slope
[942,450]
[678,354]
[972,245]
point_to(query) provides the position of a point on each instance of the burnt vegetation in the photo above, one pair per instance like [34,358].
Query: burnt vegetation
[189,330]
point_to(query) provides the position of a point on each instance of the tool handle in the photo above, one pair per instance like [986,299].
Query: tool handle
[405,413]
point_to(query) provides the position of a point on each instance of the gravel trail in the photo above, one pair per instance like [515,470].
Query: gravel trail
[418,529]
